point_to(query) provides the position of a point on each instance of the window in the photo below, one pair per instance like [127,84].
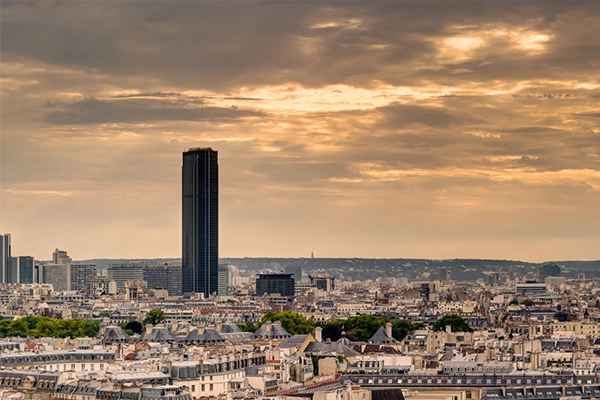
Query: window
[91,367]
[211,386]
[202,385]
[211,379]
[72,367]
[193,388]
[101,367]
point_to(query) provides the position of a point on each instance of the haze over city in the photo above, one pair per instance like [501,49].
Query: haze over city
[388,129]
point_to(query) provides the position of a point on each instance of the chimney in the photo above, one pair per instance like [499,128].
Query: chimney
[319,334]
[448,328]
[388,329]
[524,389]
[534,389]
[148,329]
[218,327]
[503,391]
[268,326]
[562,389]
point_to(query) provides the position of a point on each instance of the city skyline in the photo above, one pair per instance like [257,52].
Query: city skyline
[354,129]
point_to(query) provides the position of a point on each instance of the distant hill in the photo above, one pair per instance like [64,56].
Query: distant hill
[373,268]
[102,263]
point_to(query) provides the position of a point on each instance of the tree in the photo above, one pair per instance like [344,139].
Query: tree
[154,317]
[134,326]
[527,302]
[457,323]
[40,326]
[363,327]
[333,329]
[293,323]
[248,326]
[18,327]
[401,328]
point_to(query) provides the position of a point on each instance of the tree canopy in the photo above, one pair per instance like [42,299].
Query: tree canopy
[363,327]
[457,323]
[248,326]
[154,317]
[40,326]
[293,323]
[132,327]
[401,328]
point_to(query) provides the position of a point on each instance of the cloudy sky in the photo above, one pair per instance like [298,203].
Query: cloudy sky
[370,129]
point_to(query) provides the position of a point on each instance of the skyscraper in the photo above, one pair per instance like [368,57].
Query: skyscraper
[4,256]
[80,274]
[200,240]
[60,257]
[20,270]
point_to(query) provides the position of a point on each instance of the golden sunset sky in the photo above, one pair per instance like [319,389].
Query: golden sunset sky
[354,129]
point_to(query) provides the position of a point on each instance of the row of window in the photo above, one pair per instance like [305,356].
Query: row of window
[55,357]
[73,367]
[203,386]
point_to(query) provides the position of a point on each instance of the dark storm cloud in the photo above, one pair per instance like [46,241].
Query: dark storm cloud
[228,44]
[94,111]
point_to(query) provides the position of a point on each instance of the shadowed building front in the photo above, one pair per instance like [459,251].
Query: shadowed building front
[200,240]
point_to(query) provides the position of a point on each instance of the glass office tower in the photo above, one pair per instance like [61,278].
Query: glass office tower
[200,240]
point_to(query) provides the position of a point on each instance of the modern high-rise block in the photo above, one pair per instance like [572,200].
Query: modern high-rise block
[122,273]
[275,283]
[326,283]
[81,274]
[20,270]
[200,236]
[26,269]
[12,272]
[223,289]
[164,276]
[60,257]
[4,256]
[157,275]
[59,275]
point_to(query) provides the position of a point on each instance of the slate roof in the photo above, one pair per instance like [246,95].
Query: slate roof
[295,341]
[277,332]
[230,328]
[114,334]
[41,380]
[237,337]
[331,347]
[381,337]
[344,340]
[208,336]
[547,392]
[160,334]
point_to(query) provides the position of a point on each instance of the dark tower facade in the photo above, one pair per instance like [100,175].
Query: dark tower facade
[200,256]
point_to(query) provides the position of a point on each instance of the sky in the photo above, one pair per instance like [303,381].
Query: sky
[351,129]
